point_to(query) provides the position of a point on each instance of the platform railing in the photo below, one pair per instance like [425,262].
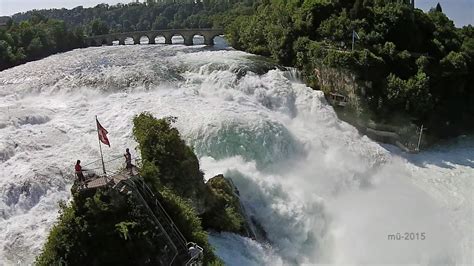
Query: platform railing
[135,185]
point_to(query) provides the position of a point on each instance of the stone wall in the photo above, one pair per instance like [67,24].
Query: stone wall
[356,112]
[332,80]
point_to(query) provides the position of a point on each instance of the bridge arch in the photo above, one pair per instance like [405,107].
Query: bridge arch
[208,37]
[198,39]
[159,39]
[114,40]
[128,40]
[177,38]
[144,39]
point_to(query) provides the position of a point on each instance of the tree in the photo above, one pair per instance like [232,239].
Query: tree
[161,145]
[160,23]
[35,38]
[35,49]
[454,64]
[355,12]
[98,27]
[412,95]
[337,27]
[6,54]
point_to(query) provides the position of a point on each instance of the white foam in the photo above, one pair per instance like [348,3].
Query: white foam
[322,192]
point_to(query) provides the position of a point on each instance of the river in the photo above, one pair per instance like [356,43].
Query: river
[322,192]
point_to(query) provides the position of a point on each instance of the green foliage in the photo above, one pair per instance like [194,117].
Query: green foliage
[101,227]
[445,36]
[124,228]
[412,95]
[279,35]
[171,167]
[422,63]
[216,263]
[98,27]
[150,173]
[337,27]
[34,39]
[160,23]
[149,15]
[186,219]
[166,156]
[454,64]
[60,238]
[224,209]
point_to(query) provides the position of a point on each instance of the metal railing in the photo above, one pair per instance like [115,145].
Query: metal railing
[95,169]
[196,253]
[97,164]
[161,218]
[163,211]
[134,188]
[137,186]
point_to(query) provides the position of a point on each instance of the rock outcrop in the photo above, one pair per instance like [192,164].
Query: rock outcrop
[351,107]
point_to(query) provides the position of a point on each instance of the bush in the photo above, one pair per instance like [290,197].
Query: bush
[102,227]
[186,219]
[166,157]
[223,207]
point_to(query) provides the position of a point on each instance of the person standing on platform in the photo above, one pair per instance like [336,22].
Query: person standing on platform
[128,161]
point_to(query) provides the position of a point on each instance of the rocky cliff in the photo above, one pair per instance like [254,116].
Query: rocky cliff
[346,92]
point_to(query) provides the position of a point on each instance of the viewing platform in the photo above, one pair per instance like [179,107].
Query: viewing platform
[128,182]
[98,181]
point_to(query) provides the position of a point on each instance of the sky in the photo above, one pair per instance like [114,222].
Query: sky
[460,11]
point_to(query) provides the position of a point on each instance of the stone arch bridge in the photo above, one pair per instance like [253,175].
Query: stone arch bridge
[187,35]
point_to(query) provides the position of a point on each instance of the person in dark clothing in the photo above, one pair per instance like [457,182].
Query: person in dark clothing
[79,173]
[128,160]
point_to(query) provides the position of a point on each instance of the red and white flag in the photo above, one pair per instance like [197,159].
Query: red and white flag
[102,133]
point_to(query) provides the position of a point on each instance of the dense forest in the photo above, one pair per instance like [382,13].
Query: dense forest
[419,65]
[106,18]
[35,38]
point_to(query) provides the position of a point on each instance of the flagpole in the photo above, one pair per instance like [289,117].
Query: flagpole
[419,139]
[100,146]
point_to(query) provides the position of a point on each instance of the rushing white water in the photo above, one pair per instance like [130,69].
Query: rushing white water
[322,192]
